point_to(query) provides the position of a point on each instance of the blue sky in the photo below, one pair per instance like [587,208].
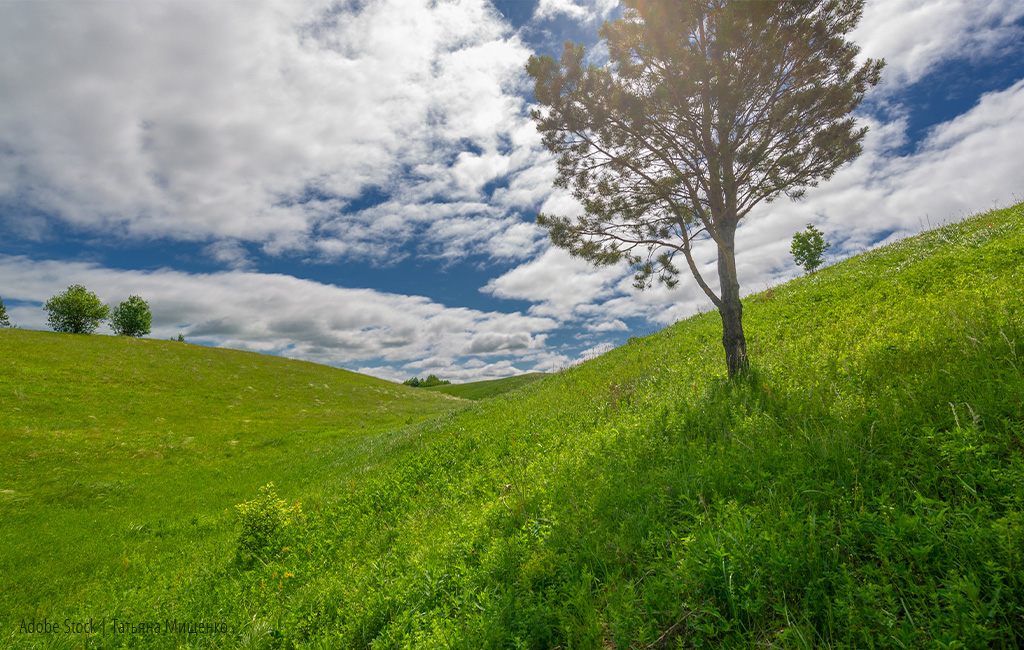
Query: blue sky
[355,182]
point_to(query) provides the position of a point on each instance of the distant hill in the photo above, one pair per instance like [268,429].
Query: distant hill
[478,390]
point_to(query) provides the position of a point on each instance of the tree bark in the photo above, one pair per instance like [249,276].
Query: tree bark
[731,309]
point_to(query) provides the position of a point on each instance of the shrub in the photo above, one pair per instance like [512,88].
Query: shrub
[76,311]
[131,318]
[808,248]
[262,521]
[4,321]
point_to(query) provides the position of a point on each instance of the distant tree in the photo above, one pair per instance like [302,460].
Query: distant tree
[809,248]
[77,311]
[706,109]
[131,318]
[431,380]
[4,321]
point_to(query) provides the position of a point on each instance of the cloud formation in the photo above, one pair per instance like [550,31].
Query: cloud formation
[270,123]
[297,318]
[584,11]
[916,36]
[557,283]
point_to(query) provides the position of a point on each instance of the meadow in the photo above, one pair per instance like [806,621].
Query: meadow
[478,390]
[862,487]
[122,457]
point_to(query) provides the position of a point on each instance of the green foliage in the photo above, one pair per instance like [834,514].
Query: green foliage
[809,248]
[4,320]
[76,311]
[431,380]
[131,318]
[263,523]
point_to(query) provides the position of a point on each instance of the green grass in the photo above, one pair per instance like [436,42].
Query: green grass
[478,390]
[123,456]
[862,488]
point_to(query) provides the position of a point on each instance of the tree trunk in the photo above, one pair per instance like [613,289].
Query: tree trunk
[731,309]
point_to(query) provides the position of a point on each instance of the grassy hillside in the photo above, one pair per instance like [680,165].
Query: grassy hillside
[864,488]
[124,457]
[478,390]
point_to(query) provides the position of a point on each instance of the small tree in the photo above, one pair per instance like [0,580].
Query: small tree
[131,318]
[264,521]
[808,248]
[76,311]
[4,321]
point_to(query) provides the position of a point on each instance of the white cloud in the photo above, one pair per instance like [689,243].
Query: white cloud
[292,317]
[915,36]
[552,8]
[517,240]
[230,253]
[251,122]
[557,283]
[607,326]
[473,171]
[578,10]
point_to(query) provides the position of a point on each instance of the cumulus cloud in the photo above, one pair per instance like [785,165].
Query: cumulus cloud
[296,318]
[231,253]
[253,122]
[516,240]
[578,10]
[916,36]
[557,283]
[607,326]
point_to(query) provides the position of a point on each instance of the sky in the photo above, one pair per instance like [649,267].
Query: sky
[356,182]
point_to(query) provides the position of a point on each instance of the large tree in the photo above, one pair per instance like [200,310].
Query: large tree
[131,317]
[76,311]
[705,109]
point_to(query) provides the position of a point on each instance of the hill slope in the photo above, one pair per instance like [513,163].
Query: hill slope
[863,488]
[119,453]
[477,390]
